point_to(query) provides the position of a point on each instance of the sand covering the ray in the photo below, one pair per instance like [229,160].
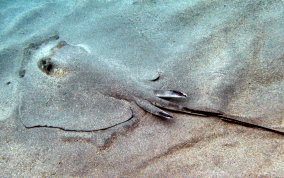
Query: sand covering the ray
[226,55]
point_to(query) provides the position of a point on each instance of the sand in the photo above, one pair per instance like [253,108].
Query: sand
[226,55]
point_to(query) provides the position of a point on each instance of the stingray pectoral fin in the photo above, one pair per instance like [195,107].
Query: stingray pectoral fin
[147,106]
[169,94]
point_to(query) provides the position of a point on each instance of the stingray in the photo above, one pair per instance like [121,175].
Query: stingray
[212,64]
[66,86]
[70,87]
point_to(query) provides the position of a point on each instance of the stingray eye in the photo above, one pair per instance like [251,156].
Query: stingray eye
[59,45]
[46,66]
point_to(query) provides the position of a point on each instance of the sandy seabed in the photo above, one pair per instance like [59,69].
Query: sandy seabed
[77,81]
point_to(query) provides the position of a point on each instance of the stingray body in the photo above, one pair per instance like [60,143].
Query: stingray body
[227,56]
[67,86]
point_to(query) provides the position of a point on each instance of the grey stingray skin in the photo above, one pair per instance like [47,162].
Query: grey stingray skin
[67,86]
[115,81]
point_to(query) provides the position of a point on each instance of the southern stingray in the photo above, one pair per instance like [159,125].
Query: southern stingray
[65,86]
[69,88]
[226,68]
